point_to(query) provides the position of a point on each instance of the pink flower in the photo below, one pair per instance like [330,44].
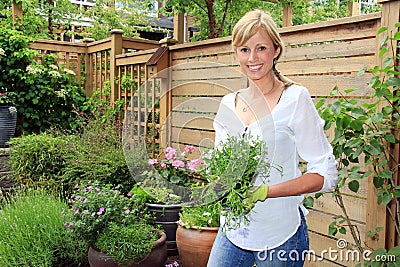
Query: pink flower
[93,213]
[127,211]
[170,153]
[189,149]
[178,164]
[163,165]
[192,165]
[129,194]
[152,161]
[101,210]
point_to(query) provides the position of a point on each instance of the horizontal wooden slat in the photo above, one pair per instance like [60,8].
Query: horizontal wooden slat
[196,104]
[226,59]
[206,74]
[326,66]
[207,88]
[349,28]
[189,136]
[192,120]
[319,222]
[356,207]
[322,85]
[347,256]
[139,59]
[57,46]
[330,50]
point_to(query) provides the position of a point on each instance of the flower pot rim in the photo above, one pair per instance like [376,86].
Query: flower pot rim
[158,243]
[164,205]
[201,228]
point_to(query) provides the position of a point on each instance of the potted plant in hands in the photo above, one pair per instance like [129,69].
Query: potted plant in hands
[116,227]
[231,168]
[8,116]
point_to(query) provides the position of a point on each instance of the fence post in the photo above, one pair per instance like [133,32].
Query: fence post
[377,215]
[88,68]
[17,10]
[166,95]
[116,49]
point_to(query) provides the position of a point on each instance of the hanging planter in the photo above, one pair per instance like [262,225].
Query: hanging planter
[8,122]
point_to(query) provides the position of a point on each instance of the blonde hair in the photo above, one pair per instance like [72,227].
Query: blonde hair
[250,24]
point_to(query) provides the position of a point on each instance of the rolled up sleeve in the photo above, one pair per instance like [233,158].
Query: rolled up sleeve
[311,141]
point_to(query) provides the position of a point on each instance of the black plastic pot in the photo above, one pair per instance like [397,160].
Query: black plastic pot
[8,122]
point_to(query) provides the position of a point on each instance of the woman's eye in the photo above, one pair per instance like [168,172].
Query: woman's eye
[244,50]
[262,48]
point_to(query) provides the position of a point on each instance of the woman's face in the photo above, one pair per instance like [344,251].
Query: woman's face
[256,56]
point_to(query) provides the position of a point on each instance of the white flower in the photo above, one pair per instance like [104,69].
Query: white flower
[2,52]
[54,74]
[61,93]
[54,67]
[33,69]
[206,214]
[68,71]
[12,110]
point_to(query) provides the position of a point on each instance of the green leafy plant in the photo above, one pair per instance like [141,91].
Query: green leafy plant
[206,215]
[39,160]
[7,98]
[232,167]
[94,206]
[128,244]
[32,232]
[367,131]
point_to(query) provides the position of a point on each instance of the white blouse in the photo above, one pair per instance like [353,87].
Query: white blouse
[293,130]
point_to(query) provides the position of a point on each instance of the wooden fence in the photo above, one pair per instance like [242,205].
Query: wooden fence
[172,92]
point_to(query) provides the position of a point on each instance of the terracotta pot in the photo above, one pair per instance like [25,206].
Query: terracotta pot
[195,245]
[156,258]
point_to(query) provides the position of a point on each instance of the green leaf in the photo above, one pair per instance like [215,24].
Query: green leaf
[387,174]
[395,251]
[390,138]
[382,52]
[374,147]
[342,230]
[378,182]
[308,201]
[354,186]
[381,30]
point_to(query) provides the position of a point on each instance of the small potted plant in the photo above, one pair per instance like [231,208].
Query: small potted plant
[197,228]
[8,116]
[116,227]
[165,185]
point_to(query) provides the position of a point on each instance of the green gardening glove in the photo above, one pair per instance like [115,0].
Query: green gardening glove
[258,193]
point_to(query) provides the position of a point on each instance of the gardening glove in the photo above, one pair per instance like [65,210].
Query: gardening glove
[258,193]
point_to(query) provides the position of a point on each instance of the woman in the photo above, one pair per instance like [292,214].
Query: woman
[281,113]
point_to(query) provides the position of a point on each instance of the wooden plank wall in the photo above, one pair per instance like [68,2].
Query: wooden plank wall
[320,56]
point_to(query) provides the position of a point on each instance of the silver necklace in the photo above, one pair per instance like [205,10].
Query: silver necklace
[244,109]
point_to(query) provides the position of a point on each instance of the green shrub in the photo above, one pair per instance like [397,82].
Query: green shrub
[98,155]
[38,160]
[32,233]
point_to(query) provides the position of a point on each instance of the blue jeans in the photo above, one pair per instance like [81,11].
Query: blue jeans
[291,253]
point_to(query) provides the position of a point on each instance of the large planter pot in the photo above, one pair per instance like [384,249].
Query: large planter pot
[156,258]
[167,216]
[8,121]
[195,245]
